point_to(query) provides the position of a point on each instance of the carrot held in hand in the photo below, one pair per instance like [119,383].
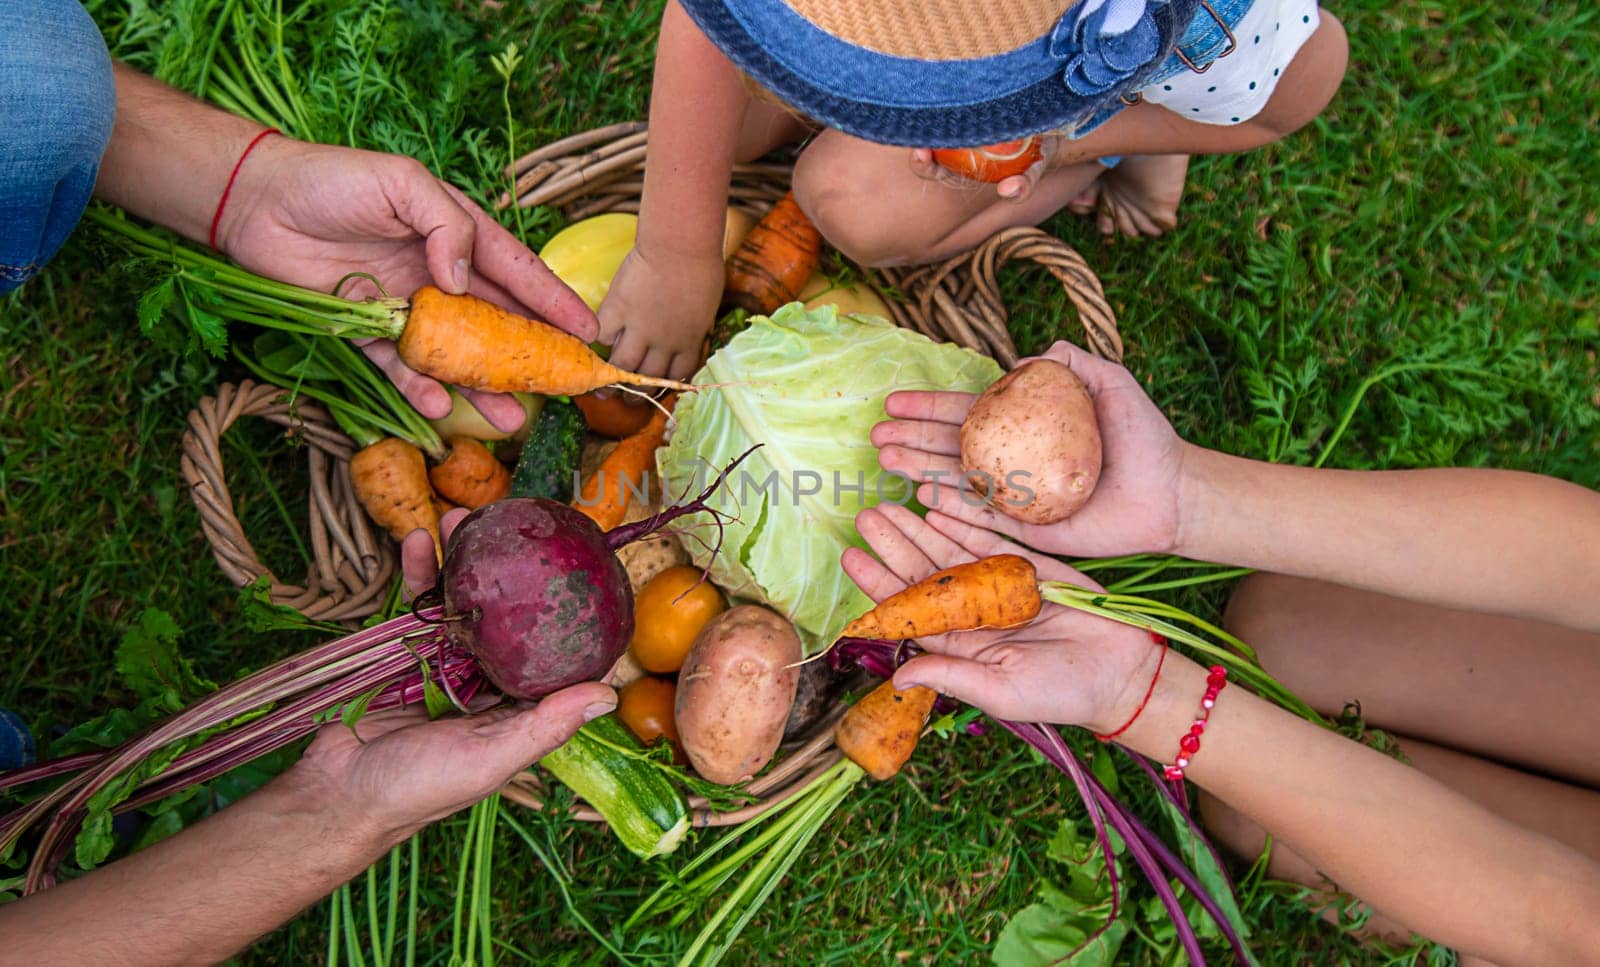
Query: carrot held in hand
[992,592]
[390,479]
[624,472]
[775,260]
[470,342]
[880,731]
[470,476]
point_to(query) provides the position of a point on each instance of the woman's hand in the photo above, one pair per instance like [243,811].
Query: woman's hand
[1064,667]
[1135,507]
[311,214]
[659,309]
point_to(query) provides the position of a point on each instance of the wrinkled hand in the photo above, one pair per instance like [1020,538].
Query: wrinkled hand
[658,311]
[1135,507]
[310,214]
[418,565]
[1065,666]
[404,771]
[1016,188]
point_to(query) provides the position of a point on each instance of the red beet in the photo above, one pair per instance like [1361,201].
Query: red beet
[533,590]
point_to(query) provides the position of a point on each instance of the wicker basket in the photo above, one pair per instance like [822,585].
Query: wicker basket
[589,173]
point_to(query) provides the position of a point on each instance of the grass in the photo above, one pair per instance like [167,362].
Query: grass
[1413,278]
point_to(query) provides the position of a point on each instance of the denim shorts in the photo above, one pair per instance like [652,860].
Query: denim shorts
[57,103]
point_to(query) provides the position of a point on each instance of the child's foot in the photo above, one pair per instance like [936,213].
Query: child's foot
[1137,197]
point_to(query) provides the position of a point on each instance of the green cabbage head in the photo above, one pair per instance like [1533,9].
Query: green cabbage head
[808,387]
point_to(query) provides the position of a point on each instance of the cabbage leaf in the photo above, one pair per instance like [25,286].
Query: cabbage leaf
[808,387]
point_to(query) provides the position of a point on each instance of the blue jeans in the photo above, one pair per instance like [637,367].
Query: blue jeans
[57,102]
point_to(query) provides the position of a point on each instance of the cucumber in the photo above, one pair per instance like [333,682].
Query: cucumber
[550,457]
[602,763]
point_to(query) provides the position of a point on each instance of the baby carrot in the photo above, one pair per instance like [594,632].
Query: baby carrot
[390,479]
[604,497]
[775,260]
[470,476]
[992,592]
[470,342]
[880,731]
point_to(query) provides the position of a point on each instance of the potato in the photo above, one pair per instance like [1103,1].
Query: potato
[735,691]
[857,299]
[1031,443]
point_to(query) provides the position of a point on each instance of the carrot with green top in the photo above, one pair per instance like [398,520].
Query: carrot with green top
[470,475]
[458,339]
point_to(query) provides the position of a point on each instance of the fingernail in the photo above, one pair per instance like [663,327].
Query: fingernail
[461,275]
[1009,191]
[597,709]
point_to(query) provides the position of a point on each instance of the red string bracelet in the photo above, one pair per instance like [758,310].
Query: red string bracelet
[1161,642]
[1189,745]
[211,240]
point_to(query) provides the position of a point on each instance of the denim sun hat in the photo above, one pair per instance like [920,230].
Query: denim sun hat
[946,73]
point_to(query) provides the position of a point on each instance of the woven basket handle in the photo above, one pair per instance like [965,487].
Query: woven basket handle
[352,565]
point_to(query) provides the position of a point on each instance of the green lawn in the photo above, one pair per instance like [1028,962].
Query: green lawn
[1411,281]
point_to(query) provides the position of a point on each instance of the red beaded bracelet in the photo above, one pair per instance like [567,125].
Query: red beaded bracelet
[1189,745]
[216,218]
[1161,642]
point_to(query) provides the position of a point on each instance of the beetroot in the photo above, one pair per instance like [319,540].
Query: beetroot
[533,590]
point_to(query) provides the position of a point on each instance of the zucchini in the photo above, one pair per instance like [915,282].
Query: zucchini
[604,764]
[550,457]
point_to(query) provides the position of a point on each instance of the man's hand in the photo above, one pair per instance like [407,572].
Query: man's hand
[1135,507]
[312,214]
[1064,666]
[398,771]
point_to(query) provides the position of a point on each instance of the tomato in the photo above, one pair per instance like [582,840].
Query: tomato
[645,707]
[992,163]
[613,415]
[668,613]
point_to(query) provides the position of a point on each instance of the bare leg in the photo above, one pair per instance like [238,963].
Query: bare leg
[869,204]
[1519,692]
[1498,687]
[1139,196]
[767,127]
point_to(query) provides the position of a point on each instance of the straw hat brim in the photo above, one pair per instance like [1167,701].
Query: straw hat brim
[915,103]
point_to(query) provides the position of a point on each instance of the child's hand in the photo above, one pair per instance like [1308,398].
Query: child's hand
[659,309]
[1016,188]
[1135,507]
[1065,666]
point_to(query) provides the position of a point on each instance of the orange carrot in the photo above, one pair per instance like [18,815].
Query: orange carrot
[390,479]
[880,731]
[993,592]
[624,472]
[775,261]
[991,163]
[612,416]
[467,341]
[470,476]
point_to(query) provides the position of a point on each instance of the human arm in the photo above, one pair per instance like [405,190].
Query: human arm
[1409,846]
[311,214]
[665,295]
[200,896]
[1441,537]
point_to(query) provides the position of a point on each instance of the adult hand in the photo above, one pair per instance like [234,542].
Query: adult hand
[658,310]
[311,214]
[1135,506]
[407,771]
[418,565]
[398,771]
[1064,666]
